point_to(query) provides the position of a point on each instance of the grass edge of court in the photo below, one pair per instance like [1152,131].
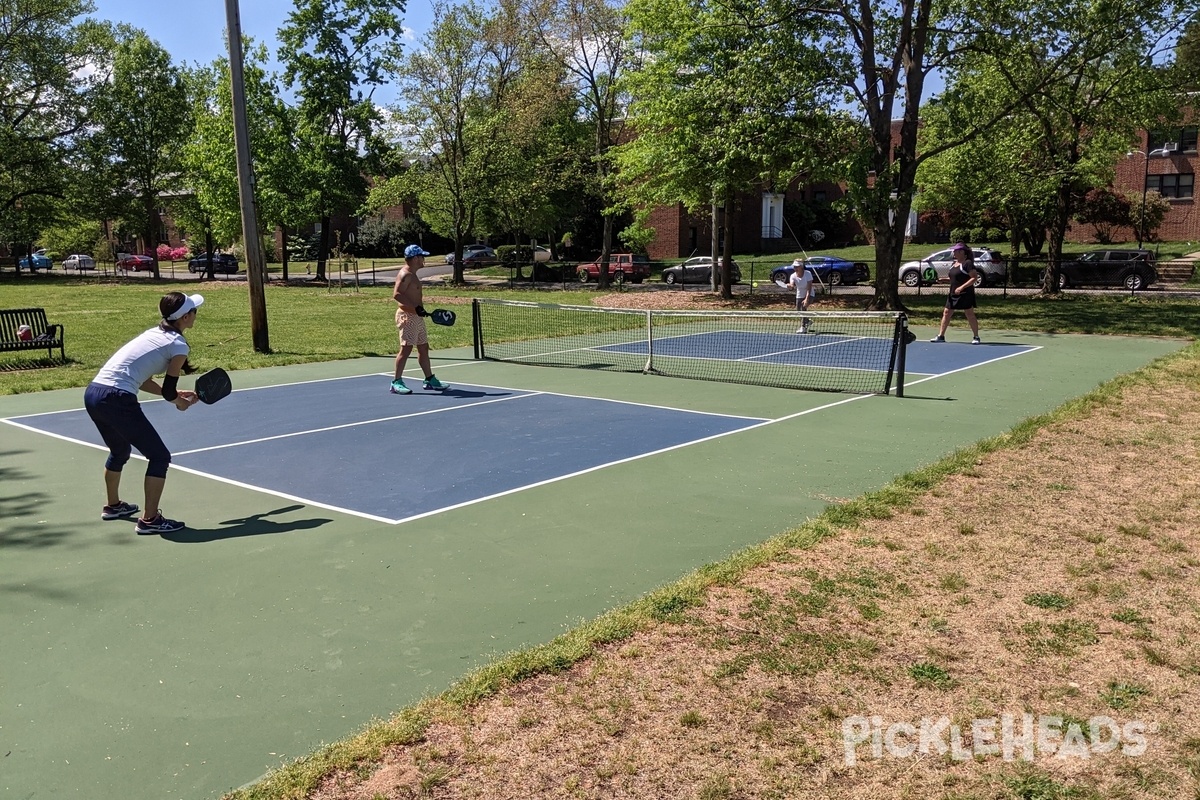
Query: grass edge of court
[297,779]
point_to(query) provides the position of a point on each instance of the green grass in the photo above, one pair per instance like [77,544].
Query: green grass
[1051,600]
[304,323]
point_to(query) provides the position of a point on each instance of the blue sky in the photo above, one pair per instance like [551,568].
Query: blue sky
[194,30]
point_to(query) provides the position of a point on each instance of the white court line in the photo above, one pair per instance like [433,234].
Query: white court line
[514,490]
[627,460]
[615,400]
[352,424]
[247,389]
[1032,348]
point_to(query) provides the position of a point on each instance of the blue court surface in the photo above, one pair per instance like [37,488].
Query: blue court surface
[924,360]
[393,459]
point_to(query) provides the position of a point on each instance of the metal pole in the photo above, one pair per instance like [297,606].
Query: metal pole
[1145,186]
[255,268]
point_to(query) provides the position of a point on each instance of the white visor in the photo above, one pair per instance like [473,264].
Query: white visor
[190,303]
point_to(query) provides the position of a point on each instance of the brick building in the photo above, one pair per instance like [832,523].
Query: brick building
[1170,170]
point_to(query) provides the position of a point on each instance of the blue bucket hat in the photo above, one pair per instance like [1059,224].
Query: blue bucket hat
[414,250]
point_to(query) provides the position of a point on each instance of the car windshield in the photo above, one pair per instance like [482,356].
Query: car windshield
[643,260]
[1094,256]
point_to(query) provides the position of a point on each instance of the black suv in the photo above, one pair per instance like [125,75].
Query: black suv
[222,262]
[1131,269]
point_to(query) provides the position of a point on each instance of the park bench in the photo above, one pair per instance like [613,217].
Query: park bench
[43,333]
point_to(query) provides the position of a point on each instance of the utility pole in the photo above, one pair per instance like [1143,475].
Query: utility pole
[1162,151]
[255,267]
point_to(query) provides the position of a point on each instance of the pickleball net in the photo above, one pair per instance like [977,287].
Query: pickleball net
[853,352]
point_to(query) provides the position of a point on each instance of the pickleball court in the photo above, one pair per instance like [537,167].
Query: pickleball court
[349,551]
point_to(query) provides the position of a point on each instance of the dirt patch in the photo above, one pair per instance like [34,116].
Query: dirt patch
[1053,585]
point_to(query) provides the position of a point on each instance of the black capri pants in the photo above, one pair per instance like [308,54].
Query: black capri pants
[122,424]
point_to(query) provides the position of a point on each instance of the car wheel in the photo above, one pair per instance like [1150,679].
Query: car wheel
[619,278]
[911,278]
[670,278]
[981,281]
[835,278]
[1063,283]
[583,276]
[1133,281]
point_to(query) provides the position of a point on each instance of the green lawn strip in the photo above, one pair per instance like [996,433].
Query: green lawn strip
[305,324]
[294,781]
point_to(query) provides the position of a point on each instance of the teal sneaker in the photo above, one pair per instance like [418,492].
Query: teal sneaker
[398,387]
[433,383]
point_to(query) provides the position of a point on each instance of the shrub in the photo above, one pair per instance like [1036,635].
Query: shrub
[164,252]
[994,235]
[960,234]
[978,235]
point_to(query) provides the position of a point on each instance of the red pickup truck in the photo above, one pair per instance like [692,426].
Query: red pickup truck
[621,267]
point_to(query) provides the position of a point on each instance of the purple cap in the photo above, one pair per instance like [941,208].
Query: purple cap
[958,246]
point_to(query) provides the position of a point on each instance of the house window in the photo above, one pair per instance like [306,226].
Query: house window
[1184,138]
[818,195]
[1177,185]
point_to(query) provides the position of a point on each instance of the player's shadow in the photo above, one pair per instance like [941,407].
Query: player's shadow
[254,525]
[453,392]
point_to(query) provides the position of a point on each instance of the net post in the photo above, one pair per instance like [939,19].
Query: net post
[476,332]
[649,368]
[901,352]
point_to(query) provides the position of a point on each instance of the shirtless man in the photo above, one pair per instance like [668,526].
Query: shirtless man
[409,322]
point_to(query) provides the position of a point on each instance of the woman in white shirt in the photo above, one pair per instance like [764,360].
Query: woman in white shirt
[111,401]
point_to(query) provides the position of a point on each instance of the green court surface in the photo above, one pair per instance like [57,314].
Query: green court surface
[140,667]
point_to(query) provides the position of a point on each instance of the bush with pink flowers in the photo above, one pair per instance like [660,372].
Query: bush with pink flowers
[167,253]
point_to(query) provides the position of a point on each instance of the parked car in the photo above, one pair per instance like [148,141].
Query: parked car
[134,262]
[828,269]
[40,261]
[222,262]
[698,270]
[541,255]
[621,267]
[989,263]
[78,261]
[479,254]
[1131,269]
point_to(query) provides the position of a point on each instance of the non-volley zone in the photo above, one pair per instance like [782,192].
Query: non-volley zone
[855,352]
[348,445]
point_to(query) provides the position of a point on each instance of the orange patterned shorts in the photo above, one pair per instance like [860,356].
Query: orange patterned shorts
[411,327]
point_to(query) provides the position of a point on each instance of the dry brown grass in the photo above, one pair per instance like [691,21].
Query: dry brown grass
[1059,578]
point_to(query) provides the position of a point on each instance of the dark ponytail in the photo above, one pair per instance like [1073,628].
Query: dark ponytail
[168,305]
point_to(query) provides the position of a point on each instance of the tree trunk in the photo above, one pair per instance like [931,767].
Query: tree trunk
[727,250]
[605,252]
[1058,232]
[208,247]
[714,229]
[284,255]
[150,216]
[323,249]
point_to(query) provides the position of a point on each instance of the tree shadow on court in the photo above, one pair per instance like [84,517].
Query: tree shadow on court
[24,504]
[254,525]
